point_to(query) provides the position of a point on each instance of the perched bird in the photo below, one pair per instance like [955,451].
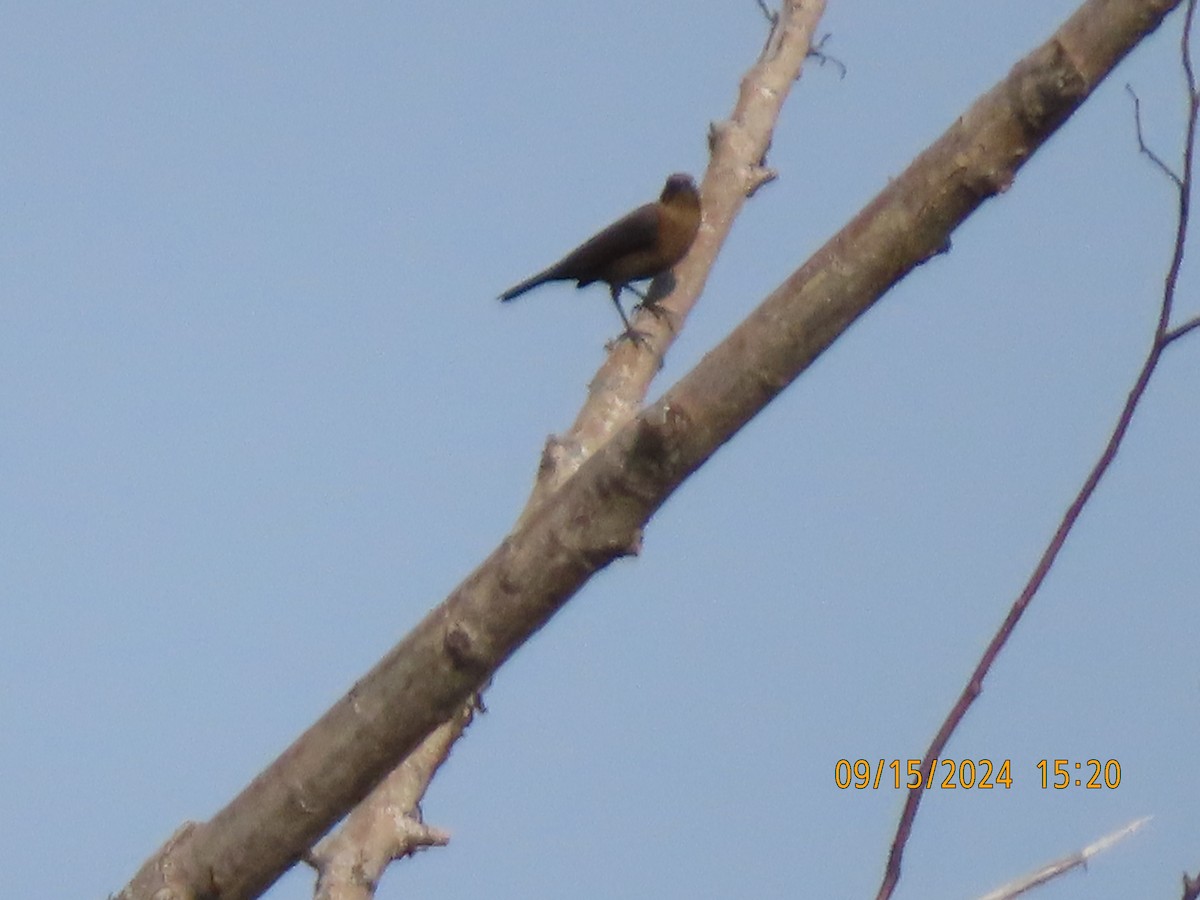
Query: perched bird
[645,243]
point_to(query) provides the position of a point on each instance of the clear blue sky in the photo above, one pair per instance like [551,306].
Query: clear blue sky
[260,410]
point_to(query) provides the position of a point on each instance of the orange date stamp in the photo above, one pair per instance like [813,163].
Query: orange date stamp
[973,774]
[949,774]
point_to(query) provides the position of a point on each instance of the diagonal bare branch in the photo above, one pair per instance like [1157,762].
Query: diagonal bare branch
[1064,864]
[736,170]
[597,514]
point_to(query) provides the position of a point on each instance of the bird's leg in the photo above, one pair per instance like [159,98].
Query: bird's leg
[630,332]
[616,299]
[651,305]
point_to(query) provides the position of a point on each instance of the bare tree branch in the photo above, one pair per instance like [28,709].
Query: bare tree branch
[1065,864]
[1143,147]
[737,168]
[1163,336]
[619,388]
[388,824]
[597,514]
[1191,888]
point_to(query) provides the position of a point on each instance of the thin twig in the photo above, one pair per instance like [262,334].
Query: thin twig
[1191,888]
[1163,337]
[1143,147]
[817,52]
[1180,330]
[1064,864]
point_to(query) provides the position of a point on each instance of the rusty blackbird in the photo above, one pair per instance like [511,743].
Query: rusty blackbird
[645,243]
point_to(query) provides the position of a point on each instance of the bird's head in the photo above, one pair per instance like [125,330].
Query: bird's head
[680,187]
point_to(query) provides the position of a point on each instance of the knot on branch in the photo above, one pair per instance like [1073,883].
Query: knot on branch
[463,651]
[1045,88]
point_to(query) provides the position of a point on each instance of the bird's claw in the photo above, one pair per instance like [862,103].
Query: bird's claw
[655,309]
[638,338]
[661,313]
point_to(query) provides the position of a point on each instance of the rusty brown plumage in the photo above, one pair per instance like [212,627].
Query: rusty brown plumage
[643,244]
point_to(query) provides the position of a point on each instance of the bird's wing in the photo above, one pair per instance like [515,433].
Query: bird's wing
[634,233]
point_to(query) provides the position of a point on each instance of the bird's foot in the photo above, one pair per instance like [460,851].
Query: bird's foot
[637,338]
[659,312]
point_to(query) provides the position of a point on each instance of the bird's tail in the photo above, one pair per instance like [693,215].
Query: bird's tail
[528,284]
